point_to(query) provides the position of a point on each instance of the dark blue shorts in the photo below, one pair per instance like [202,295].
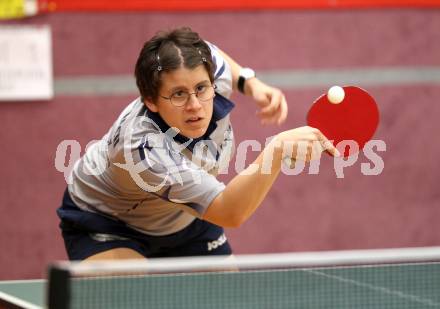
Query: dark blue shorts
[86,233]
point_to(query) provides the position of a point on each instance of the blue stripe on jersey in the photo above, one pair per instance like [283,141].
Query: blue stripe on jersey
[141,152]
[199,208]
[214,62]
[220,72]
[166,196]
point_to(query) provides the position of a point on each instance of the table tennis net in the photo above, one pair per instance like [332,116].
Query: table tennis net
[386,279]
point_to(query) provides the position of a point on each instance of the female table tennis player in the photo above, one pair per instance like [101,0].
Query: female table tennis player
[149,187]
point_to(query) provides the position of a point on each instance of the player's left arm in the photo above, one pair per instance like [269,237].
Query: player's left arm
[270,100]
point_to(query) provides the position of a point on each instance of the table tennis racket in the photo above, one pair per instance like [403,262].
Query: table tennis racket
[355,118]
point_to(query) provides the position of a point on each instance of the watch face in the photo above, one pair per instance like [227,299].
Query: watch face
[247,73]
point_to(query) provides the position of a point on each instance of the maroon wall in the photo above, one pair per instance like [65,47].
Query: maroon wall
[398,208]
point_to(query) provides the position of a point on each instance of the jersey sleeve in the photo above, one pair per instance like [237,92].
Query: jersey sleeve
[222,75]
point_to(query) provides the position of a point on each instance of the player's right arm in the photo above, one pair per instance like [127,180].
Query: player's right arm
[245,192]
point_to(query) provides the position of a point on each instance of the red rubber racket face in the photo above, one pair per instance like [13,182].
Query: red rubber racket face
[354,119]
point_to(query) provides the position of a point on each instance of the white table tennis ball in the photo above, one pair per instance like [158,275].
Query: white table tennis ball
[336,94]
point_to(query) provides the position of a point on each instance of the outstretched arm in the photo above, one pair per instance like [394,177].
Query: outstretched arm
[245,192]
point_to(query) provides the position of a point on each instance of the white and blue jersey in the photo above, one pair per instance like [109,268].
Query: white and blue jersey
[148,176]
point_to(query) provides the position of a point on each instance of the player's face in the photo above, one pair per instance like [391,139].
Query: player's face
[192,119]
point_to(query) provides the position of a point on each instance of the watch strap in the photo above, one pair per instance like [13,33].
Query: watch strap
[240,84]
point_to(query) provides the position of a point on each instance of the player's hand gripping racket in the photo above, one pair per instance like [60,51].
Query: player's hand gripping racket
[347,114]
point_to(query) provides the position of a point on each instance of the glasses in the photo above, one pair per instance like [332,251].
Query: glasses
[203,93]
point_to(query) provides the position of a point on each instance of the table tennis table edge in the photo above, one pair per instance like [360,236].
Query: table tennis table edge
[8,299]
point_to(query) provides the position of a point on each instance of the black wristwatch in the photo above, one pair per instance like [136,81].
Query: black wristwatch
[243,76]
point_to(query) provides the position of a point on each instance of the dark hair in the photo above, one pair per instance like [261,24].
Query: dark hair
[167,51]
